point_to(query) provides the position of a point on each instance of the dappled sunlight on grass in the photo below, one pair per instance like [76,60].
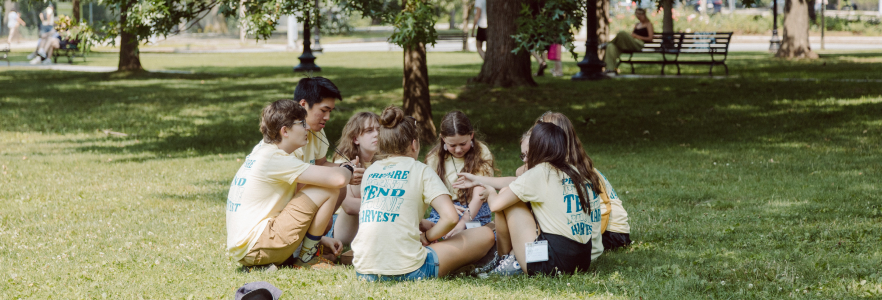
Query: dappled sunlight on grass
[744,187]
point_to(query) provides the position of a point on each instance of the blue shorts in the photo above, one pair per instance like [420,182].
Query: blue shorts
[428,270]
[330,233]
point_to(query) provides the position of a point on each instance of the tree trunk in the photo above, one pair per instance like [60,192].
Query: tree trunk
[813,16]
[502,68]
[242,29]
[466,10]
[452,21]
[416,91]
[129,56]
[76,11]
[668,19]
[795,42]
[602,24]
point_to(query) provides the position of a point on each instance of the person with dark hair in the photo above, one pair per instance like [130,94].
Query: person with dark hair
[390,245]
[317,95]
[561,217]
[628,42]
[267,215]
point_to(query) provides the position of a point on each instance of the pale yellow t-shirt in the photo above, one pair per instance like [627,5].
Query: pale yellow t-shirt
[316,147]
[395,194]
[453,165]
[618,217]
[556,205]
[262,187]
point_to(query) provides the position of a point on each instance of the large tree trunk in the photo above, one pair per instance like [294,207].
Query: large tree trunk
[416,90]
[602,24]
[466,10]
[76,11]
[795,43]
[502,68]
[129,56]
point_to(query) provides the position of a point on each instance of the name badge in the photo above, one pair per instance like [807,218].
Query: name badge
[473,224]
[537,251]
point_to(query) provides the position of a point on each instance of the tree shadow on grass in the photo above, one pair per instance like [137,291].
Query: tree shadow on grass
[178,114]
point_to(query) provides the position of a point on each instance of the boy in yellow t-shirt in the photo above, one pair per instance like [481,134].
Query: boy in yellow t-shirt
[267,217]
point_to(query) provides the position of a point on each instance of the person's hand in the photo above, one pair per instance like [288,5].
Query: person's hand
[473,32]
[424,240]
[425,225]
[465,181]
[357,172]
[460,210]
[331,243]
[456,230]
[488,192]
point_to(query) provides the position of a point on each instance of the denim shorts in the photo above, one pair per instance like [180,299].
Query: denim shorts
[428,270]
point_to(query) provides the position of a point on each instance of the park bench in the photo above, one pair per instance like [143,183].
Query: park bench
[5,52]
[70,49]
[703,48]
[452,36]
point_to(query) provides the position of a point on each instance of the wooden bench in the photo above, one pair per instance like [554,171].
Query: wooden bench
[5,52]
[712,48]
[70,50]
[452,36]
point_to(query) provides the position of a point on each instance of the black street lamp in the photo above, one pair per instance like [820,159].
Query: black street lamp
[307,60]
[318,24]
[591,67]
[775,42]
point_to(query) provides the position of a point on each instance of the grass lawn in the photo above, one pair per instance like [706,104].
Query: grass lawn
[755,186]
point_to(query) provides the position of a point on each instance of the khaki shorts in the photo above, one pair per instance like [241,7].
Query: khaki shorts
[283,234]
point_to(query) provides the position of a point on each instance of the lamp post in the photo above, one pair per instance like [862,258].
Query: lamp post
[318,24]
[775,42]
[591,66]
[307,60]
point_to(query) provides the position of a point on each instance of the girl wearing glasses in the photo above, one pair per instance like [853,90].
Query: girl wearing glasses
[396,191]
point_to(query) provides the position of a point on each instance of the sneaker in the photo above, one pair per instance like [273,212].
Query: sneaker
[487,262]
[317,262]
[36,60]
[47,61]
[508,266]
[40,52]
[31,56]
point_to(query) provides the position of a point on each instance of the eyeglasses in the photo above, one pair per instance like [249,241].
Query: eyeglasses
[299,122]
[414,120]
[524,157]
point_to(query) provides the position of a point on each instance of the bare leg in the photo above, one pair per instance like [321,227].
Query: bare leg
[523,230]
[51,46]
[503,240]
[321,196]
[480,45]
[345,228]
[461,249]
[11,34]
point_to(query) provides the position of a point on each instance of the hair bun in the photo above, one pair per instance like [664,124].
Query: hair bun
[391,117]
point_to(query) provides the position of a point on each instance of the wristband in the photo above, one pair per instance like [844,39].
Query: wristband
[348,167]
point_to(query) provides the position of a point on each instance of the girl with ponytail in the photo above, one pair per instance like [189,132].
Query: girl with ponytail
[395,192]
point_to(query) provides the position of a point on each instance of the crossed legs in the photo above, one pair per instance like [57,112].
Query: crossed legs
[515,226]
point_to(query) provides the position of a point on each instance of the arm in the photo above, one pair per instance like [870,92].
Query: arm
[444,206]
[352,203]
[646,39]
[467,181]
[474,208]
[356,174]
[502,200]
[332,177]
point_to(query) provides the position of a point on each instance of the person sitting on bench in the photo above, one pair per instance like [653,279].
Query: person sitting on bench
[624,42]
[47,44]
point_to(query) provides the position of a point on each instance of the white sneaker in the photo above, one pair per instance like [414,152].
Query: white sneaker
[42,53]
[31,56]
[508,266]
[47,61]
[36,60]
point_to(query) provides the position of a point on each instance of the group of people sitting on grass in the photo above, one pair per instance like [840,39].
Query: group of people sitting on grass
[555,216]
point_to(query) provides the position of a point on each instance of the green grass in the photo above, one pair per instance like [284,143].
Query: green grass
[747,187]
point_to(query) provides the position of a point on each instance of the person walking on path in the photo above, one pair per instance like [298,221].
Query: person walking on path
[624,42]
[13,22]
[480,25]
